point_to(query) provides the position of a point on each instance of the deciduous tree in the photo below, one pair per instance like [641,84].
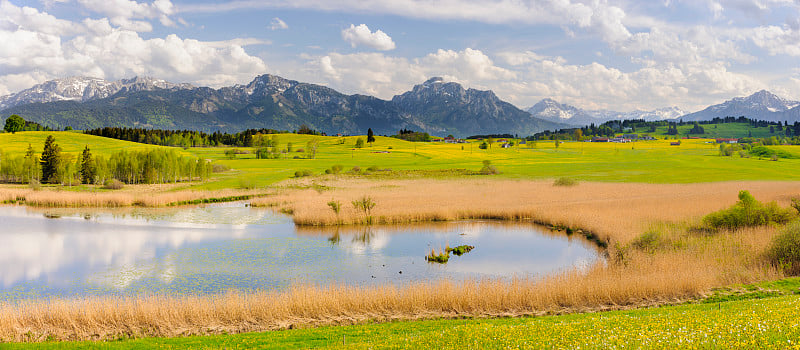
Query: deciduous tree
[14,123]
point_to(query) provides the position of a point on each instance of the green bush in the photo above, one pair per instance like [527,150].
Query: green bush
[246,184]
[765,152]
[650,241]
[488,168]
[565,181]
[460,250]
[747,212]
[303,173]
[784,252]
[219,168]
[112,184]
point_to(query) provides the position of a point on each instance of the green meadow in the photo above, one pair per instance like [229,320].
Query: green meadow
[694,160]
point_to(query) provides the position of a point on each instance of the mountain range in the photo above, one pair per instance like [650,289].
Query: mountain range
[549,109]
[435,106]
[269,101]
[762,105]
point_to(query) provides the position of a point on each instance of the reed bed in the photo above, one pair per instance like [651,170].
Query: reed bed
[616,211]
[685,264]
[146,196]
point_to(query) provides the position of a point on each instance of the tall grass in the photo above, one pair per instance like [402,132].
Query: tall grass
[615,211]
[133,195]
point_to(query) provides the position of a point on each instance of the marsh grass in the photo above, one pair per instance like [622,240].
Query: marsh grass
[611,211]
[145,196]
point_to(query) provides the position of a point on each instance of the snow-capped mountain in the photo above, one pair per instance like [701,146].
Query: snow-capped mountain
[270,101]
[549,109]
[83,89]
[762,105]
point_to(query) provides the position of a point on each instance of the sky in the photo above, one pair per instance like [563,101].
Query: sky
[595,54]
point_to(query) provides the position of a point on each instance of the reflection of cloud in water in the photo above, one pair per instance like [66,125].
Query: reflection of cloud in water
[35,247]
[214,249]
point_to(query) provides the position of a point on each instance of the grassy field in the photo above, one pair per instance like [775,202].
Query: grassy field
[724,130]
[694,160]
[770,323]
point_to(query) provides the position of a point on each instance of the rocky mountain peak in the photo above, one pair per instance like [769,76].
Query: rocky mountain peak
[268,84]
[767,100]
[82,89]
[433,80]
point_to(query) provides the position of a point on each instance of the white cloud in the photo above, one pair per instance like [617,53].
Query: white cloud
[277,24]
[129,14]
[32,53]
[384,76]
[361,35]
[533,76]
[27,18]
[779,40]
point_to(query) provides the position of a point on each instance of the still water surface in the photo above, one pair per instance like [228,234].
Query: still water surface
[212,249]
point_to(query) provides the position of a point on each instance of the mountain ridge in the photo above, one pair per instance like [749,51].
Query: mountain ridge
[761,105]
[269,101]
[550,109]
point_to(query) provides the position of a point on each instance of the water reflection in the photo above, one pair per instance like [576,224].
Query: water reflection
[69,252]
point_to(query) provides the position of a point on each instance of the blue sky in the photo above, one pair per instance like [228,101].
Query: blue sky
[596,54]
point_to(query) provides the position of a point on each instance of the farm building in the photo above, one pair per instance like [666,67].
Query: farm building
[727,140]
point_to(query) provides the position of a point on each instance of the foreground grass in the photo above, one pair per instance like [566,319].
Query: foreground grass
[759,323]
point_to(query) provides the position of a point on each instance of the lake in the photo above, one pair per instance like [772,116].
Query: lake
[215,248]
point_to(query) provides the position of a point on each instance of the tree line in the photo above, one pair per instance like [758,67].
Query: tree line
[613,127]
[15,123]
[132,167]
[184,138]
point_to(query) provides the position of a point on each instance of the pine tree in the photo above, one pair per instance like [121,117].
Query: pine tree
[51,157]
[370,136]
[88,169]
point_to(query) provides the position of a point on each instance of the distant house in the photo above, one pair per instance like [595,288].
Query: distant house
[647,138]
[727,140]
[630,136]
[676,143]
[599,139]
[620,140]
[502,140]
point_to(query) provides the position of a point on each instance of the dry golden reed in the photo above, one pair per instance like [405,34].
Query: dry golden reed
[617,211]
[139,195]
